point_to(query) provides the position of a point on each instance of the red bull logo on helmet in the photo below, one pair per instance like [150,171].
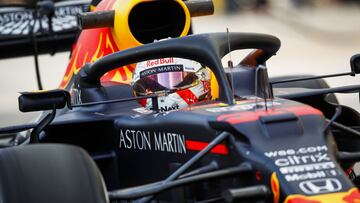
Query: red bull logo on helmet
[161,61]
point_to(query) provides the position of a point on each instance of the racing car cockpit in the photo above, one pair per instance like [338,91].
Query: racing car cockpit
[216,45]
[178,82]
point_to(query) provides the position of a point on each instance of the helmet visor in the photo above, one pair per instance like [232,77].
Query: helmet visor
[164,78]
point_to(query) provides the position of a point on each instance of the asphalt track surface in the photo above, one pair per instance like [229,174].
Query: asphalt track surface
[313,42]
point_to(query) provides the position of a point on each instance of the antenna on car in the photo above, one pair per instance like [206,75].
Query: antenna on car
[230,62]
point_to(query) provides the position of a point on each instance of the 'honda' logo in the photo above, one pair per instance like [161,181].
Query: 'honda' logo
[320,186]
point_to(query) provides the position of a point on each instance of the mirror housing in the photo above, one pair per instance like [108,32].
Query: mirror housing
[355,64]
[44,100]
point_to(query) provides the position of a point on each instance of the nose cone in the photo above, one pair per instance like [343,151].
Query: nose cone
[139,22]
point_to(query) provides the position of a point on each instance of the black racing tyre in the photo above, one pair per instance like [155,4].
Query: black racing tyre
[49,173]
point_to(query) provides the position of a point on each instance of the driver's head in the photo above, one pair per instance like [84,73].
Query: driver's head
[177,82]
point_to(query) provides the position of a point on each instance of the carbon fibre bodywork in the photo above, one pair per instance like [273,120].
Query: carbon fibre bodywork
[279,140]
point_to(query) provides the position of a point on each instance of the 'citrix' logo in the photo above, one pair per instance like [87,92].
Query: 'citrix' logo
[303,159]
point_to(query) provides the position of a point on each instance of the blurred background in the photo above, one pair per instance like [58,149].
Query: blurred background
[318,37]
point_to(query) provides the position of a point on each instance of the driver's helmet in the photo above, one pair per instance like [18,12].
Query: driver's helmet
[177,82]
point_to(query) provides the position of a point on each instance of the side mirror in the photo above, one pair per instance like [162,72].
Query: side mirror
[355,64]
[44,100]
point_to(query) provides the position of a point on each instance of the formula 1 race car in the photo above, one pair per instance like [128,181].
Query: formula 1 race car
[106,134]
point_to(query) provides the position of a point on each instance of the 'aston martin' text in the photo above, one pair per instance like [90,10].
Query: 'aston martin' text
[152,141]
